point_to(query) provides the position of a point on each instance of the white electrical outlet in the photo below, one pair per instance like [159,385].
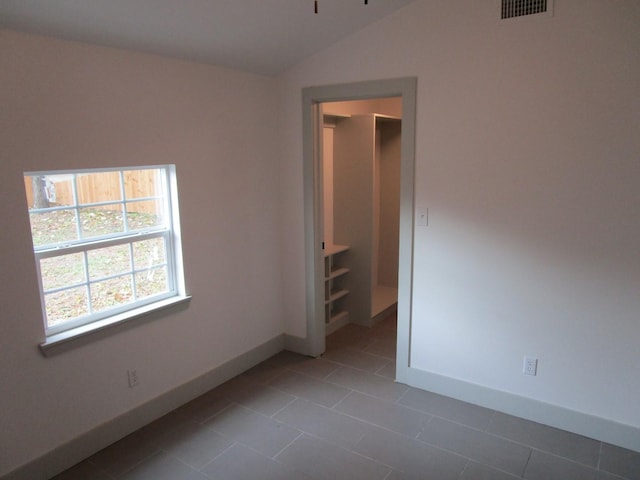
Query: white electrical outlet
[133,378]
[530,366]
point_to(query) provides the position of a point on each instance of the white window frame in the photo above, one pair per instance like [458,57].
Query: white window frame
[169,232]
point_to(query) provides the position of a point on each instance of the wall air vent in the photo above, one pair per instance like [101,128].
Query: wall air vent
[521,8]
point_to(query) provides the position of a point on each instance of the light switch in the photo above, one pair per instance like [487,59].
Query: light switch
[422,217]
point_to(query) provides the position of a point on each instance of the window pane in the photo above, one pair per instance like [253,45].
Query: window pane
[148,253]
[96,221]
[143,183]
[82,210]
[66,305]
[111,293]
[51,191]
[54,227]
[64,270]
[151,282]
[97,187]
[144,214]
[109,261]
[45,191]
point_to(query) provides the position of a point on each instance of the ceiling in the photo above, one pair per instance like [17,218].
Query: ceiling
[261,36]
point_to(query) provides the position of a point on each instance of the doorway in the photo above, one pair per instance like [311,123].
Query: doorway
[361,206]
[313,122]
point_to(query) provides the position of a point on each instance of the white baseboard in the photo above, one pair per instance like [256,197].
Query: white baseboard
[598,428]
[297,344]
[67,455]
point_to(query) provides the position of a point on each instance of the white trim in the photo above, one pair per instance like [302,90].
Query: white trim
[312,173]
[95,170]
[169,232]
[64,340]
[103,242]
[65,456]
[295,344]
[598,428]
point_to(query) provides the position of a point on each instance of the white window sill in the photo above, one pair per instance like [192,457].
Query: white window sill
[79,336]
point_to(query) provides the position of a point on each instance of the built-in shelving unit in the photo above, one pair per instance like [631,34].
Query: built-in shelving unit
[365,210]
[361,142]
[335,271]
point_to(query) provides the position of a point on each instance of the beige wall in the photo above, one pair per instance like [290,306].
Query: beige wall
[66,105]
[527,159]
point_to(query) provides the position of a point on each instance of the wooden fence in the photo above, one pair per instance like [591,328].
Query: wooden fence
[104,187]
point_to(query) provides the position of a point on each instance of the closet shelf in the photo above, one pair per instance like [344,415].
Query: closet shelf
[337,273]
[335,116]
[336,295]
[336,314]
[334,250]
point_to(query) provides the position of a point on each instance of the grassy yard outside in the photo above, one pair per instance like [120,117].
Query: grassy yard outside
[116,262]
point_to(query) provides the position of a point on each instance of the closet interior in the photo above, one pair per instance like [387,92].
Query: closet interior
[361,209]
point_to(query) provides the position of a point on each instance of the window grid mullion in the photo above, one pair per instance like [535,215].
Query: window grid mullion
[95,204]
[76,210]
[85,257]
[109,277]
[104,279]
[134,284]
[152,267]
[103,243]
[123,202]
[66,287]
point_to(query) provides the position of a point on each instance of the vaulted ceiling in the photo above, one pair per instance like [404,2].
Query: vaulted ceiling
[261,36]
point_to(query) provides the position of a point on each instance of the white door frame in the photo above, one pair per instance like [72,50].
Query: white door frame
[312,167]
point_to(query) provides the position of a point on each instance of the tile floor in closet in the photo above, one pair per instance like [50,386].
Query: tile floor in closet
[342,416]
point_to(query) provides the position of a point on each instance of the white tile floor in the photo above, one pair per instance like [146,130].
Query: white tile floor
[343,417]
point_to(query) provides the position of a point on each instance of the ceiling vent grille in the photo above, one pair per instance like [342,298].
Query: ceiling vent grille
[521,8]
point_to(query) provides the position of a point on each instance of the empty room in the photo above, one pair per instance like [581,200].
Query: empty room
[202,201]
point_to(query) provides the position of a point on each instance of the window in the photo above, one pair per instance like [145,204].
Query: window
[105,242]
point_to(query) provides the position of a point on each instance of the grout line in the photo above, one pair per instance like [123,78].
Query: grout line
[526,465]
[233,444]
[375,425]
[288,403]
[351,392]
[355,444]
[567,459]
[545,450]
[232,403]
[448,419]
[424,426]
[469,459]
[274,457]
[493,416]
[353,452]
[403,395]
[499,436]
[389,362]
[466,467]
[600,455]
[355,389]
[373,372]
[179,460]
[155,453]
[338,367]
